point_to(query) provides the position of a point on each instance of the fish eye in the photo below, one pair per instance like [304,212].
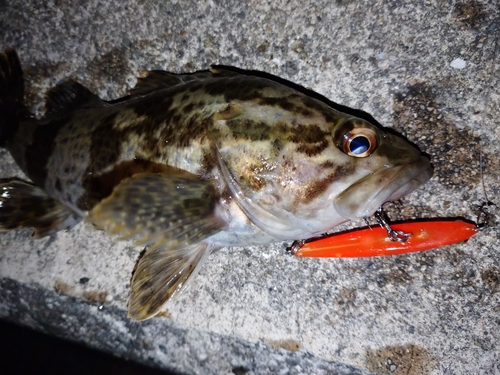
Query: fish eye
[359,142]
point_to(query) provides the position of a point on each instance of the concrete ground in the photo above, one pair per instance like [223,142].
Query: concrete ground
[428,69]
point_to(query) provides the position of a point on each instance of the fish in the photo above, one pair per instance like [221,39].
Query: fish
[188,163]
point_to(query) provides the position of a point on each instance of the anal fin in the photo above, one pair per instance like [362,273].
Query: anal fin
[24,205]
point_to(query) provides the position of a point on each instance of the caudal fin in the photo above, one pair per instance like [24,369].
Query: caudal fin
[24,205]
[12,109]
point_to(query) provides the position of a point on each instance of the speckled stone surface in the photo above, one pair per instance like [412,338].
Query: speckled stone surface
[428,69]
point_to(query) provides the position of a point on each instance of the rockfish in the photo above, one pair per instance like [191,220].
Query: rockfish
[190,162]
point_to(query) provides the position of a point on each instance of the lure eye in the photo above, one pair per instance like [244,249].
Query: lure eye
[359,142]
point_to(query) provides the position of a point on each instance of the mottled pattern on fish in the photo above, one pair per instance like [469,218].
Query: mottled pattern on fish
[99,146]
[193,161]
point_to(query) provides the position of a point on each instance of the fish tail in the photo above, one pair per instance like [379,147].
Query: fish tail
[12,108]
[24,205]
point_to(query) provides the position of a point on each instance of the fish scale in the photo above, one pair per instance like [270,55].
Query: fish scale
[187,163]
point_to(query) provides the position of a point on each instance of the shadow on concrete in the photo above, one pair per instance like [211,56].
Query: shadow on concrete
[25,351]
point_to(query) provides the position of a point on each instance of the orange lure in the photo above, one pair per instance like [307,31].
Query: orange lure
[367,242]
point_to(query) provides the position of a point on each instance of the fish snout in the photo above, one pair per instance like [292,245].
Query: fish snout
[366,195]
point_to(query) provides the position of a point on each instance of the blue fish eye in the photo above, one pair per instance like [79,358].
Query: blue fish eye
[359,145]
[359,142]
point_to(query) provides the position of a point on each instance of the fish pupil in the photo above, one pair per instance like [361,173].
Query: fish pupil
[359,145]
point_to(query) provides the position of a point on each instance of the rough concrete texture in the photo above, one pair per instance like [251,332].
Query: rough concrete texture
[428,69]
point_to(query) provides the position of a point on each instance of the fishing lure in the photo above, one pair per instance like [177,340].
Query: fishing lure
[383,240]
[402,238]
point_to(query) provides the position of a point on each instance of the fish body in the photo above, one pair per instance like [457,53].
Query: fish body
[190,162]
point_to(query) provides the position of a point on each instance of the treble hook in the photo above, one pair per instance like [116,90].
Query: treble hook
[393,235]
[296,245]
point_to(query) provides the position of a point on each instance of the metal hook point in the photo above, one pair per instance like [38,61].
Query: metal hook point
[393,235]
[296,245]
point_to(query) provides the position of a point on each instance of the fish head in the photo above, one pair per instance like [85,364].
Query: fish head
[297,167]
[385,168]
[303,177]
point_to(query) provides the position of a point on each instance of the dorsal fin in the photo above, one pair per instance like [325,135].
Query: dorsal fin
[67,97]
[153,80]
[226,71]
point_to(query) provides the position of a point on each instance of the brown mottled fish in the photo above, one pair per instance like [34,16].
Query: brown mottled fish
[191,162]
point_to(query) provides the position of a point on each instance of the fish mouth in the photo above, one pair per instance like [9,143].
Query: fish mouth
[366,195]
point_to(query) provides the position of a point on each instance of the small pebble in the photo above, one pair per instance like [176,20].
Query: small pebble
[458,64]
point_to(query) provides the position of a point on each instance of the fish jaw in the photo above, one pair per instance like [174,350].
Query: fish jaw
[366,195]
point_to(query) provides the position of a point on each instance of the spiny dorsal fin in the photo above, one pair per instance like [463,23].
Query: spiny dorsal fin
[153,80]
[225,71]
[68,96]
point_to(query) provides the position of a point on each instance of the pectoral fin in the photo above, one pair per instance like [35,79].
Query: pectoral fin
[24,205]
[159,210]
[169,214]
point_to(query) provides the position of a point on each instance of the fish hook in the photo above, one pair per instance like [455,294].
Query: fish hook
[393,235]
[295,246]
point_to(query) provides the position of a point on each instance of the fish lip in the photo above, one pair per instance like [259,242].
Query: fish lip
[366,195]
[420,171]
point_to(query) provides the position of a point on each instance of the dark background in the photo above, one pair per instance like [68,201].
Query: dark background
[25,351]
